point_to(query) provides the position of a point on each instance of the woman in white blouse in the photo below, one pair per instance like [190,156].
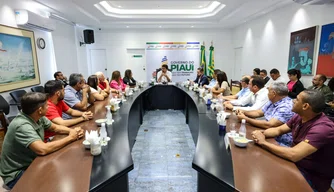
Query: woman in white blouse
[222,85]
[96,91]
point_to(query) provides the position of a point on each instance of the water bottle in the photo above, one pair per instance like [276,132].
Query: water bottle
[103,134]
[109,115]
[242,130]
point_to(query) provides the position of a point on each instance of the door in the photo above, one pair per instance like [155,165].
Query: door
[98,61]
[136,61]
[238,64]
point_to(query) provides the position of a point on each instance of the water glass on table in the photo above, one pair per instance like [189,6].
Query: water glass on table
[233,130]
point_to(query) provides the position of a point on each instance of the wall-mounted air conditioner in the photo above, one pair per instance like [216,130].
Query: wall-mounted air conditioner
[314,2]
[31,20]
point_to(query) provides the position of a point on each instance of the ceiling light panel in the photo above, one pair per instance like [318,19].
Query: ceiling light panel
[110,9]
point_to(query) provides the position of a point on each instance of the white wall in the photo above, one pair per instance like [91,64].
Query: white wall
[46,59]
[265,41]
[116,42]
[65,48]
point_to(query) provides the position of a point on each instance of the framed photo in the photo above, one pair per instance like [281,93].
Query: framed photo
[302,49]
[18,59]
[326,51]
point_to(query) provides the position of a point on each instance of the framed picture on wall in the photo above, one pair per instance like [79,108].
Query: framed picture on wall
[302,50]
[326,51]
[18,59]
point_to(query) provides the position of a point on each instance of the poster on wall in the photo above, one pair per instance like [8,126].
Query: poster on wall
[182,59]
[18,60]
[326,51]
[302,48]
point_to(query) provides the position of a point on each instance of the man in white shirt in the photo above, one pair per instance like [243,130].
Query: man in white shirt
[256,100]
[275,77]
[164,75]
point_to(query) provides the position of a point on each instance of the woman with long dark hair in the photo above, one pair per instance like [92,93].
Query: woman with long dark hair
[117,81]
[222,85]
[96,91]
[294,85]
[128,79]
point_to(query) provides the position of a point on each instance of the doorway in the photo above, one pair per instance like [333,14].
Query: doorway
[98,61]
[136,61]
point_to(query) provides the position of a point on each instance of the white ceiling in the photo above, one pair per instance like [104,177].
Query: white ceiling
[236,12]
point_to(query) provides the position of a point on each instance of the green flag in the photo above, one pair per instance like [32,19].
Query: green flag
[203,59]
[211,66]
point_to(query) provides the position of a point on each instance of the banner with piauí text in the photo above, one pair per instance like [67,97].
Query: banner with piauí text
[182,58]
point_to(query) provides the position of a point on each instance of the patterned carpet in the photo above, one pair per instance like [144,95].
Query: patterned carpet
[163,155]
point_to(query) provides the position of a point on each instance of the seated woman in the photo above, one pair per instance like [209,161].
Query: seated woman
[128,79]
[222,85]
[294,85]
[116,81]
[96,91]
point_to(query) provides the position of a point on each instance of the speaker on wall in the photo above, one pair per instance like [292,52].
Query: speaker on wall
[88,36]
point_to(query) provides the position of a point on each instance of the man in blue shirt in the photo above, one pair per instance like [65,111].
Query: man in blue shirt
[276,112]
[213,81]
[244,92]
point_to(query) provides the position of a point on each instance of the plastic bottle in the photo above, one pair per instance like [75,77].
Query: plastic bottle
[242,130]
[109,115]
[103,131]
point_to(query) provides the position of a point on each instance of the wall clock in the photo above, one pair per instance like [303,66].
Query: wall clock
[41,43]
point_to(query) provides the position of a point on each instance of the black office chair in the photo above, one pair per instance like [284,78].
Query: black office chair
[4,109]
[17,95]
[39,89]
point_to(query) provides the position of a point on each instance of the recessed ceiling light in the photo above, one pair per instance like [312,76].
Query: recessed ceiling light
[119,6]
[192,26]
[200,6]
[160,26]
[127,26]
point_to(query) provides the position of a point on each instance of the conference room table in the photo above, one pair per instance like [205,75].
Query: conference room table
[74,169]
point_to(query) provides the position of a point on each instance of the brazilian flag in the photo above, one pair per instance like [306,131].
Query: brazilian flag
[203,59]
[211,66]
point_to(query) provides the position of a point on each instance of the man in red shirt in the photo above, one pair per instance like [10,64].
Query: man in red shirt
[313,140]
[104,84]
[57,106]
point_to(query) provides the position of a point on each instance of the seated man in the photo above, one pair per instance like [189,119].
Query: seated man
[25,135]
[78,94]
[263,74]
[164,75]
[319,85]
[201,79]
[60,77]
[275,77]
[104,84]
[57,106]
[313,140]
[276,112]
[256,100]
[213,81]
[244,92]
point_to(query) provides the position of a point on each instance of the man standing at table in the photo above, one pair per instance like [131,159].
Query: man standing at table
[276,112]
[57,106]
[24,139]
[313,140]
[201,79]
[164,75]
[256,100]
